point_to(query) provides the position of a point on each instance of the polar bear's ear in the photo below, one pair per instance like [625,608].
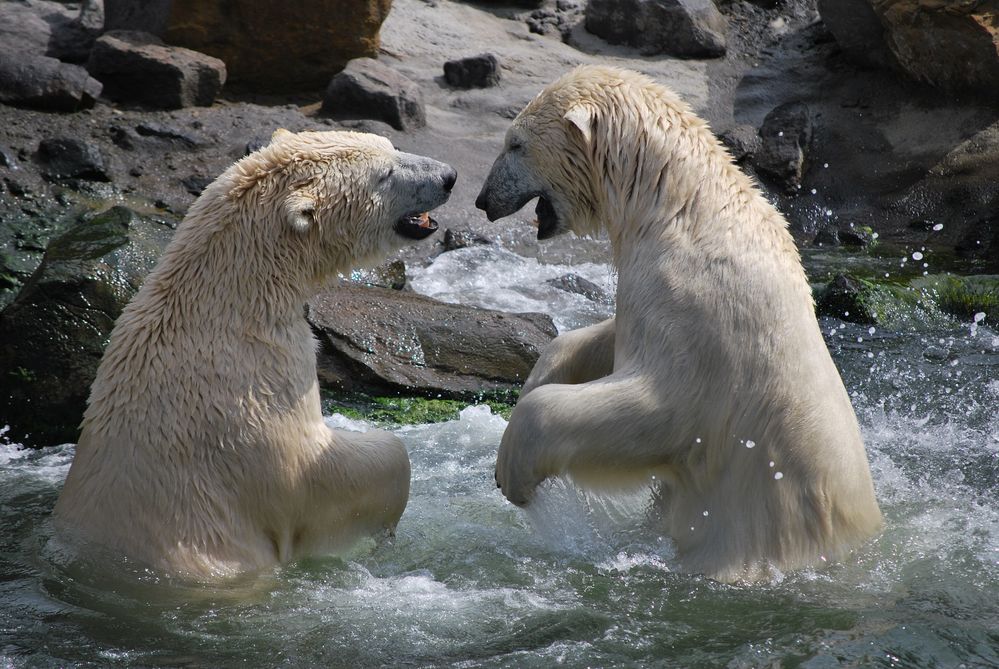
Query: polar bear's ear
[581,117]
[300,211]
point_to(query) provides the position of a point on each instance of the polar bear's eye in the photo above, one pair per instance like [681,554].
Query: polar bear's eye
[389,172]
[516,144]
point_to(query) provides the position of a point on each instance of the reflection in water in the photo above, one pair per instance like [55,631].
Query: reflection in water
[471,581]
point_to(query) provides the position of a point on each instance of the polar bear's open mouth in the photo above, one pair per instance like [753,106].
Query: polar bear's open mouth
[416,226]
[547,218]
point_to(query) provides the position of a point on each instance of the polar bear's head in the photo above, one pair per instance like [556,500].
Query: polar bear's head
[582,147]
[343,198]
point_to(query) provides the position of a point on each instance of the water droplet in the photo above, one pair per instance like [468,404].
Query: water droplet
[871,331]
[814,191]
[828,212]
[705,514]
[938,227]
[916,255]
[698,440]
[980,316]
[870,354]
[874,235]
[750,443]
[825,164]
[780,134]
[778,476]
[772,463]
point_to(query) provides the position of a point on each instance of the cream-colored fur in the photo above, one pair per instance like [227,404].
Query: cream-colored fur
[203,451]
[713,377]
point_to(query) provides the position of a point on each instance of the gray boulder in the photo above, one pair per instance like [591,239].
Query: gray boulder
[37,81]
[479,71]
[367,89]
[786,135]
[382,341]
[55,330]
[35,37]
[138,68]
[684,28]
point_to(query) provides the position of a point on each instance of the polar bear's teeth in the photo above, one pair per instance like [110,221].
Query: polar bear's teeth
[416,226]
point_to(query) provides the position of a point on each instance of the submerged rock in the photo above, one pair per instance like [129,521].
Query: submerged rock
[573,283]
[55,330]
[380,341]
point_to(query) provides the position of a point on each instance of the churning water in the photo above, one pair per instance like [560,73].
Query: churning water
[471,581]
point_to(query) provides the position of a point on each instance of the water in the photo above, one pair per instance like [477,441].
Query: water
[470,581]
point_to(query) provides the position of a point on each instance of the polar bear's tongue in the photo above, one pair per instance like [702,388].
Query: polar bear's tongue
[547,219]
[416,226]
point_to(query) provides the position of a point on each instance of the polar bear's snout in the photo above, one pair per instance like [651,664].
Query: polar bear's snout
[429,183]
[509,186]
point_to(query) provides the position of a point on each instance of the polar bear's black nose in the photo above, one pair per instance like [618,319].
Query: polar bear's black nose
[449,178]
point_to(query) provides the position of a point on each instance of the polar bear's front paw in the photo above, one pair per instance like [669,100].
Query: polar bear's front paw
[516,487]
[518,472]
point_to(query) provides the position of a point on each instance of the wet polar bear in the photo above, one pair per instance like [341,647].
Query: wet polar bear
[203,450]
[714,376]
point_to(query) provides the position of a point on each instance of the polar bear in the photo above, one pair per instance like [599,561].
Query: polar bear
[203,449]
[713,379]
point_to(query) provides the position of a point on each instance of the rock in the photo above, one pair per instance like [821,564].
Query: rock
[844,298]
[367,89]
[196,183]
[951,45]
[149,129]
[34,38]
[785,136]
[561,19]
[742,141]
[573,283]
[391,274]
[826,237]
[70,158]
[856,235]
[72,40]
[857,30]
[55,330]
[381,341]
[137,68]
[684,28]
[266,46]
[479,71]
[37,81]
[454,240]
[43,28]
[7,158]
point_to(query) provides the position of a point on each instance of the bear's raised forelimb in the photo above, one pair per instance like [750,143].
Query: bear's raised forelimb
[575,357]
[360,481]
[563,429]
